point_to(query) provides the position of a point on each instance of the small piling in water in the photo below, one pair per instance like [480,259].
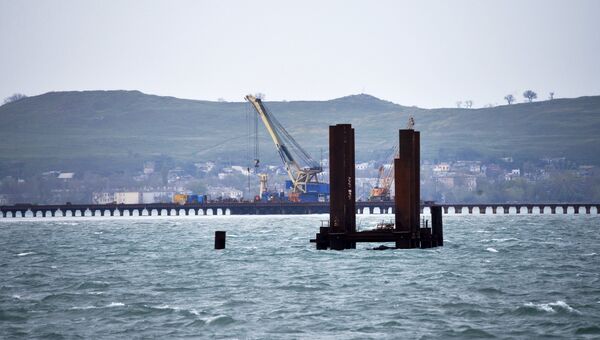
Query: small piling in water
[220,239]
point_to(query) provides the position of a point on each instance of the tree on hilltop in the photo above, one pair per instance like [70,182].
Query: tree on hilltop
[509,98]
[530,95]
[14,98]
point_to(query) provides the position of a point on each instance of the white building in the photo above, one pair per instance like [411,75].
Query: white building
[66,175]
[103,198]
[132,197]
[442,167]
[514,173]
[475,168]
[362,166]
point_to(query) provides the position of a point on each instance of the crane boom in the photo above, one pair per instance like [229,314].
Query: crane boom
[285,155]
[286,148]
[385,178]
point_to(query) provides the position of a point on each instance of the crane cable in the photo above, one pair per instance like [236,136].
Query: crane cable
[248,137]
[291,142]
[256,143]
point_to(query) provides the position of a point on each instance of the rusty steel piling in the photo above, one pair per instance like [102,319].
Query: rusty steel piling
[407,232]
[220,237]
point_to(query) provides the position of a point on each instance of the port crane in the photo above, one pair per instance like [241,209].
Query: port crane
[385,176]
[301,168]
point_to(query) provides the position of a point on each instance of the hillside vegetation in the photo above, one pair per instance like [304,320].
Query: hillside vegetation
[109,130]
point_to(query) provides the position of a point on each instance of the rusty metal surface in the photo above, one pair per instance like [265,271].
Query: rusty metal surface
[220,237]
[342,205]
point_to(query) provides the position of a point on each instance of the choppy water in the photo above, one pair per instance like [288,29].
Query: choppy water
[497,276]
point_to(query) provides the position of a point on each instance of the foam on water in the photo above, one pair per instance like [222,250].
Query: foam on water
[115,304]
[491,250]
[83,308]
[501,240]
[552,307]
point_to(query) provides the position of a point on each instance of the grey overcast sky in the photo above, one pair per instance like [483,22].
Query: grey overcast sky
[424,53]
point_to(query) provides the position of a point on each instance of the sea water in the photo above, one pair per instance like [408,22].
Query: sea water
[497,276]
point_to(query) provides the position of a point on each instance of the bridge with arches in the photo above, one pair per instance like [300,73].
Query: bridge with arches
[279,208]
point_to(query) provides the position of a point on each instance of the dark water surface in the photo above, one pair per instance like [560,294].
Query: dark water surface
[498,276]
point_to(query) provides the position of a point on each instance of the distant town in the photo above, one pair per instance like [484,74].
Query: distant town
[469,181]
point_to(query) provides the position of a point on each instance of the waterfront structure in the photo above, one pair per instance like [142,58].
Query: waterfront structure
[407,231]
[283,208]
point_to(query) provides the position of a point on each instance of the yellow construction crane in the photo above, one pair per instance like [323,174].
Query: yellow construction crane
[385,176]
[300,167]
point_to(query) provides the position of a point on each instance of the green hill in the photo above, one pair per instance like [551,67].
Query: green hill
[109,130]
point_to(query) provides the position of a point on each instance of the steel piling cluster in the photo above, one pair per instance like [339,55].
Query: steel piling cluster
[407,232]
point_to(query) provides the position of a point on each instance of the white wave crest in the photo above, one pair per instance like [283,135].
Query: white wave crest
[112,304]
[504,239]
[26,253]
[83,308]
[115,304]
[219,320]
[176,309]
[553,307]
[491,250]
